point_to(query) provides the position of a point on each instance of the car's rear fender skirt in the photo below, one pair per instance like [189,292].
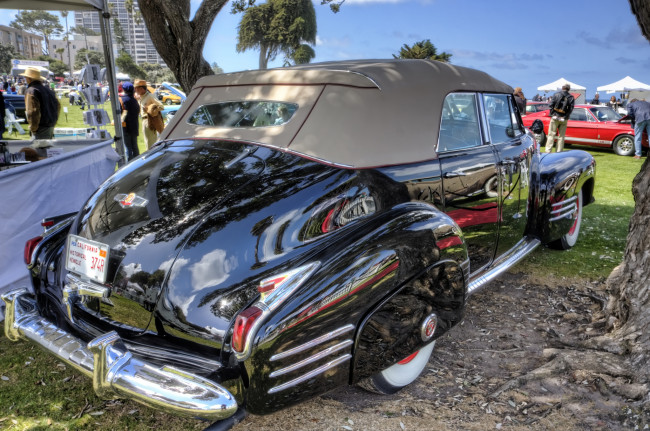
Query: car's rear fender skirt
[307,345]
[424,308]
[554,202]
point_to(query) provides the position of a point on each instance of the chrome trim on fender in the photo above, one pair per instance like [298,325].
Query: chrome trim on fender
[564,208]
[313,358]
[312,343]
[518,252]
[311,374]
[114,370]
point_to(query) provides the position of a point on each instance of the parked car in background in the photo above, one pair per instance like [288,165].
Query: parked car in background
[18,102]
[63,90]
[295,230]
[167,97]
[532,107]
[595,126]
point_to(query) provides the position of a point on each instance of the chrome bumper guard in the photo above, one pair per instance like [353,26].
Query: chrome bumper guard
[114,370]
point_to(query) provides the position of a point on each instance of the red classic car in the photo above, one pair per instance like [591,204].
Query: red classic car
[595,126]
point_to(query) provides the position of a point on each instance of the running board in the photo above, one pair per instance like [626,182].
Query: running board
[518,252]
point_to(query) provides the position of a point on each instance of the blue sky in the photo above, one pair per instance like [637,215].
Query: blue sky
[523,43]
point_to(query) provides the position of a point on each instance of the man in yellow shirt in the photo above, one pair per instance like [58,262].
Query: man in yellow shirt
[150,111]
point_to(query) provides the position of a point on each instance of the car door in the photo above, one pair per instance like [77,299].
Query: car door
[514,150]
[469,177]
[582,127]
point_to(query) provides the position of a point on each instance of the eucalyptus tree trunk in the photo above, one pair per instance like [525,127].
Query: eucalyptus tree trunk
[179,40]
[264,56]
[629,283]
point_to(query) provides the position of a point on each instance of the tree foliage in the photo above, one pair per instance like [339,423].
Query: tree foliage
[180,40]
[7,53]
[215,68]
[125,63]
[39,22]
[94,57]
[83,31]
[118,32]
[302,55]
[277,26]
[423,50]
[157,73]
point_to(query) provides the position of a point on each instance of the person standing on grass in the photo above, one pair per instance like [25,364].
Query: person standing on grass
[561,107]
[639,112]
[150,109]
[41,105]
[130,112]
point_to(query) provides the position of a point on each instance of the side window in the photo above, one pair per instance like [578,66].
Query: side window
[501,117]
[459,126]
[580,115]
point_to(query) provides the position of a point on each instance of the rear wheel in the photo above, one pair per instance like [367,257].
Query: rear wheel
[624,145]
[571,238]
[395,377]
[169,102]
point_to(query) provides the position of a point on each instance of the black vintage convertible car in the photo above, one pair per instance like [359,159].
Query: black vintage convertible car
[296,230]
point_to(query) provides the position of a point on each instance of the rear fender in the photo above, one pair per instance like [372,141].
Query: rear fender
[401,324]
[306,346]
[562,175]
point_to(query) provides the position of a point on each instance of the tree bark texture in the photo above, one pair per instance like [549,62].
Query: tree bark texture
[179,40]
[629,283]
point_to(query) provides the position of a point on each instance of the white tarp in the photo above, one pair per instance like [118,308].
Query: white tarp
[50,187]
[557,86]
[626,84]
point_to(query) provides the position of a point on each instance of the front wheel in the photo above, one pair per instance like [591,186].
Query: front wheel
[624,145]
[540,138]
[169,102]
[395,377]
[571,238]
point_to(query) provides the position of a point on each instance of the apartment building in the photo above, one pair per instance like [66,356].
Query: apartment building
[28,44]
[92,43]
[136,37]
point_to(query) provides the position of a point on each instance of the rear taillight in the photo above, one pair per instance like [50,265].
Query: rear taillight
[244,323]
[273,292]
[30,246]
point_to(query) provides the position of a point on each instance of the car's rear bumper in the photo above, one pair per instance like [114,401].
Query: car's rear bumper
[115,372]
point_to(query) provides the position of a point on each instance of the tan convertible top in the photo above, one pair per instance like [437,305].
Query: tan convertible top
[358,113]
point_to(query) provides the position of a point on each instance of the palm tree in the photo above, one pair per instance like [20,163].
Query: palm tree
[424,50]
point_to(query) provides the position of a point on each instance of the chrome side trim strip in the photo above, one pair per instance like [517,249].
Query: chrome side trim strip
[518,252]
[114,370]
[312,358]
[564,208]
[313,343]
[567,212]
[311,374]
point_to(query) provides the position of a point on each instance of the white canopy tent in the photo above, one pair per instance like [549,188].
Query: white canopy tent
[557,86]
[578,91]
[624,85]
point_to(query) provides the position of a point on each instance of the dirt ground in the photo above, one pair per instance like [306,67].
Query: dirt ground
[474,379]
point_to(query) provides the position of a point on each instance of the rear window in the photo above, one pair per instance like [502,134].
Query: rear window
[259,113]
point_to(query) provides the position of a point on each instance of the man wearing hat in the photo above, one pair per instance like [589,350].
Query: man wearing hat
[130,113]
[150,109]
[41,105]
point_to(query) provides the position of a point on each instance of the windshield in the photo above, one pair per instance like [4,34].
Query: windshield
[605,113]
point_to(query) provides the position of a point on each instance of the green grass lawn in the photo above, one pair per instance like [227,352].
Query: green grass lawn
[605,223]
[74,119]
[38,392]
